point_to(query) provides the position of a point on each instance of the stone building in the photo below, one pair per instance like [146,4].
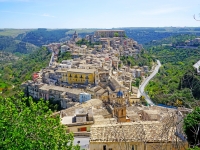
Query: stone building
[114,87]
[55,93]
[80,118]
[135,136]
[81,76]
[150,115]
[120,107]
[109,33]
[80,122]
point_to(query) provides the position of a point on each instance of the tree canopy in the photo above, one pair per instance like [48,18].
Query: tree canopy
[176,79]
[14,73]
[192,127]
[25,124]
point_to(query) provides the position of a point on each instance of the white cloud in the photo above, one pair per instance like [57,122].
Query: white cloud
[162,11]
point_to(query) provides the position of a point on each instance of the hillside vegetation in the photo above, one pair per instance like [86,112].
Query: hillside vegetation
[176,82]
[13,74]
[143,59]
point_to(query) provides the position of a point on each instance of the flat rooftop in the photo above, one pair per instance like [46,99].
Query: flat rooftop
[82,70]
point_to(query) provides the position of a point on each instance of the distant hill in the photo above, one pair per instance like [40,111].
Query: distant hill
[13,32]
[25,41]
[10,44]
[145,35]
[41,37]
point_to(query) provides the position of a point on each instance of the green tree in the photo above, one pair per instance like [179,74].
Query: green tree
[64,56]
[192,126]
[17,72]
[195,148]
[25,124]
[116,34]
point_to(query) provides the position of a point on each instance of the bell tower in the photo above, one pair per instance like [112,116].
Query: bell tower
[75,36]
[120,107]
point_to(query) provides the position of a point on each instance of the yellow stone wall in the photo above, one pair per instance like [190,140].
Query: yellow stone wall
[104,98]
[74,77]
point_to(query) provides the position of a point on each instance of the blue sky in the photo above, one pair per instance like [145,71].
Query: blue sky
[98,13]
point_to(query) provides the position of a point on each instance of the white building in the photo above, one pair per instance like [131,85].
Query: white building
[64,48]
[83,97]
[197,65]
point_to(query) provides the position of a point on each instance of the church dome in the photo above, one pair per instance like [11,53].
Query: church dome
[120,94]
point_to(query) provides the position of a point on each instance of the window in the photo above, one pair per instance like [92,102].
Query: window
[134,147]
[104,147]
[82,129]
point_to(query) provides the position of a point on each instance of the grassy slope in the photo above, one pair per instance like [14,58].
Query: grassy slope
[13,32]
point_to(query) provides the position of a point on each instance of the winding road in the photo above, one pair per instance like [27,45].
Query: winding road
[146,81]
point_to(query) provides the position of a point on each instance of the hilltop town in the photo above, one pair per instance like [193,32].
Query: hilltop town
[97,97]
[93,72]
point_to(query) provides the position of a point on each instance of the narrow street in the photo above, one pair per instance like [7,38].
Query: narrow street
[52,59]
